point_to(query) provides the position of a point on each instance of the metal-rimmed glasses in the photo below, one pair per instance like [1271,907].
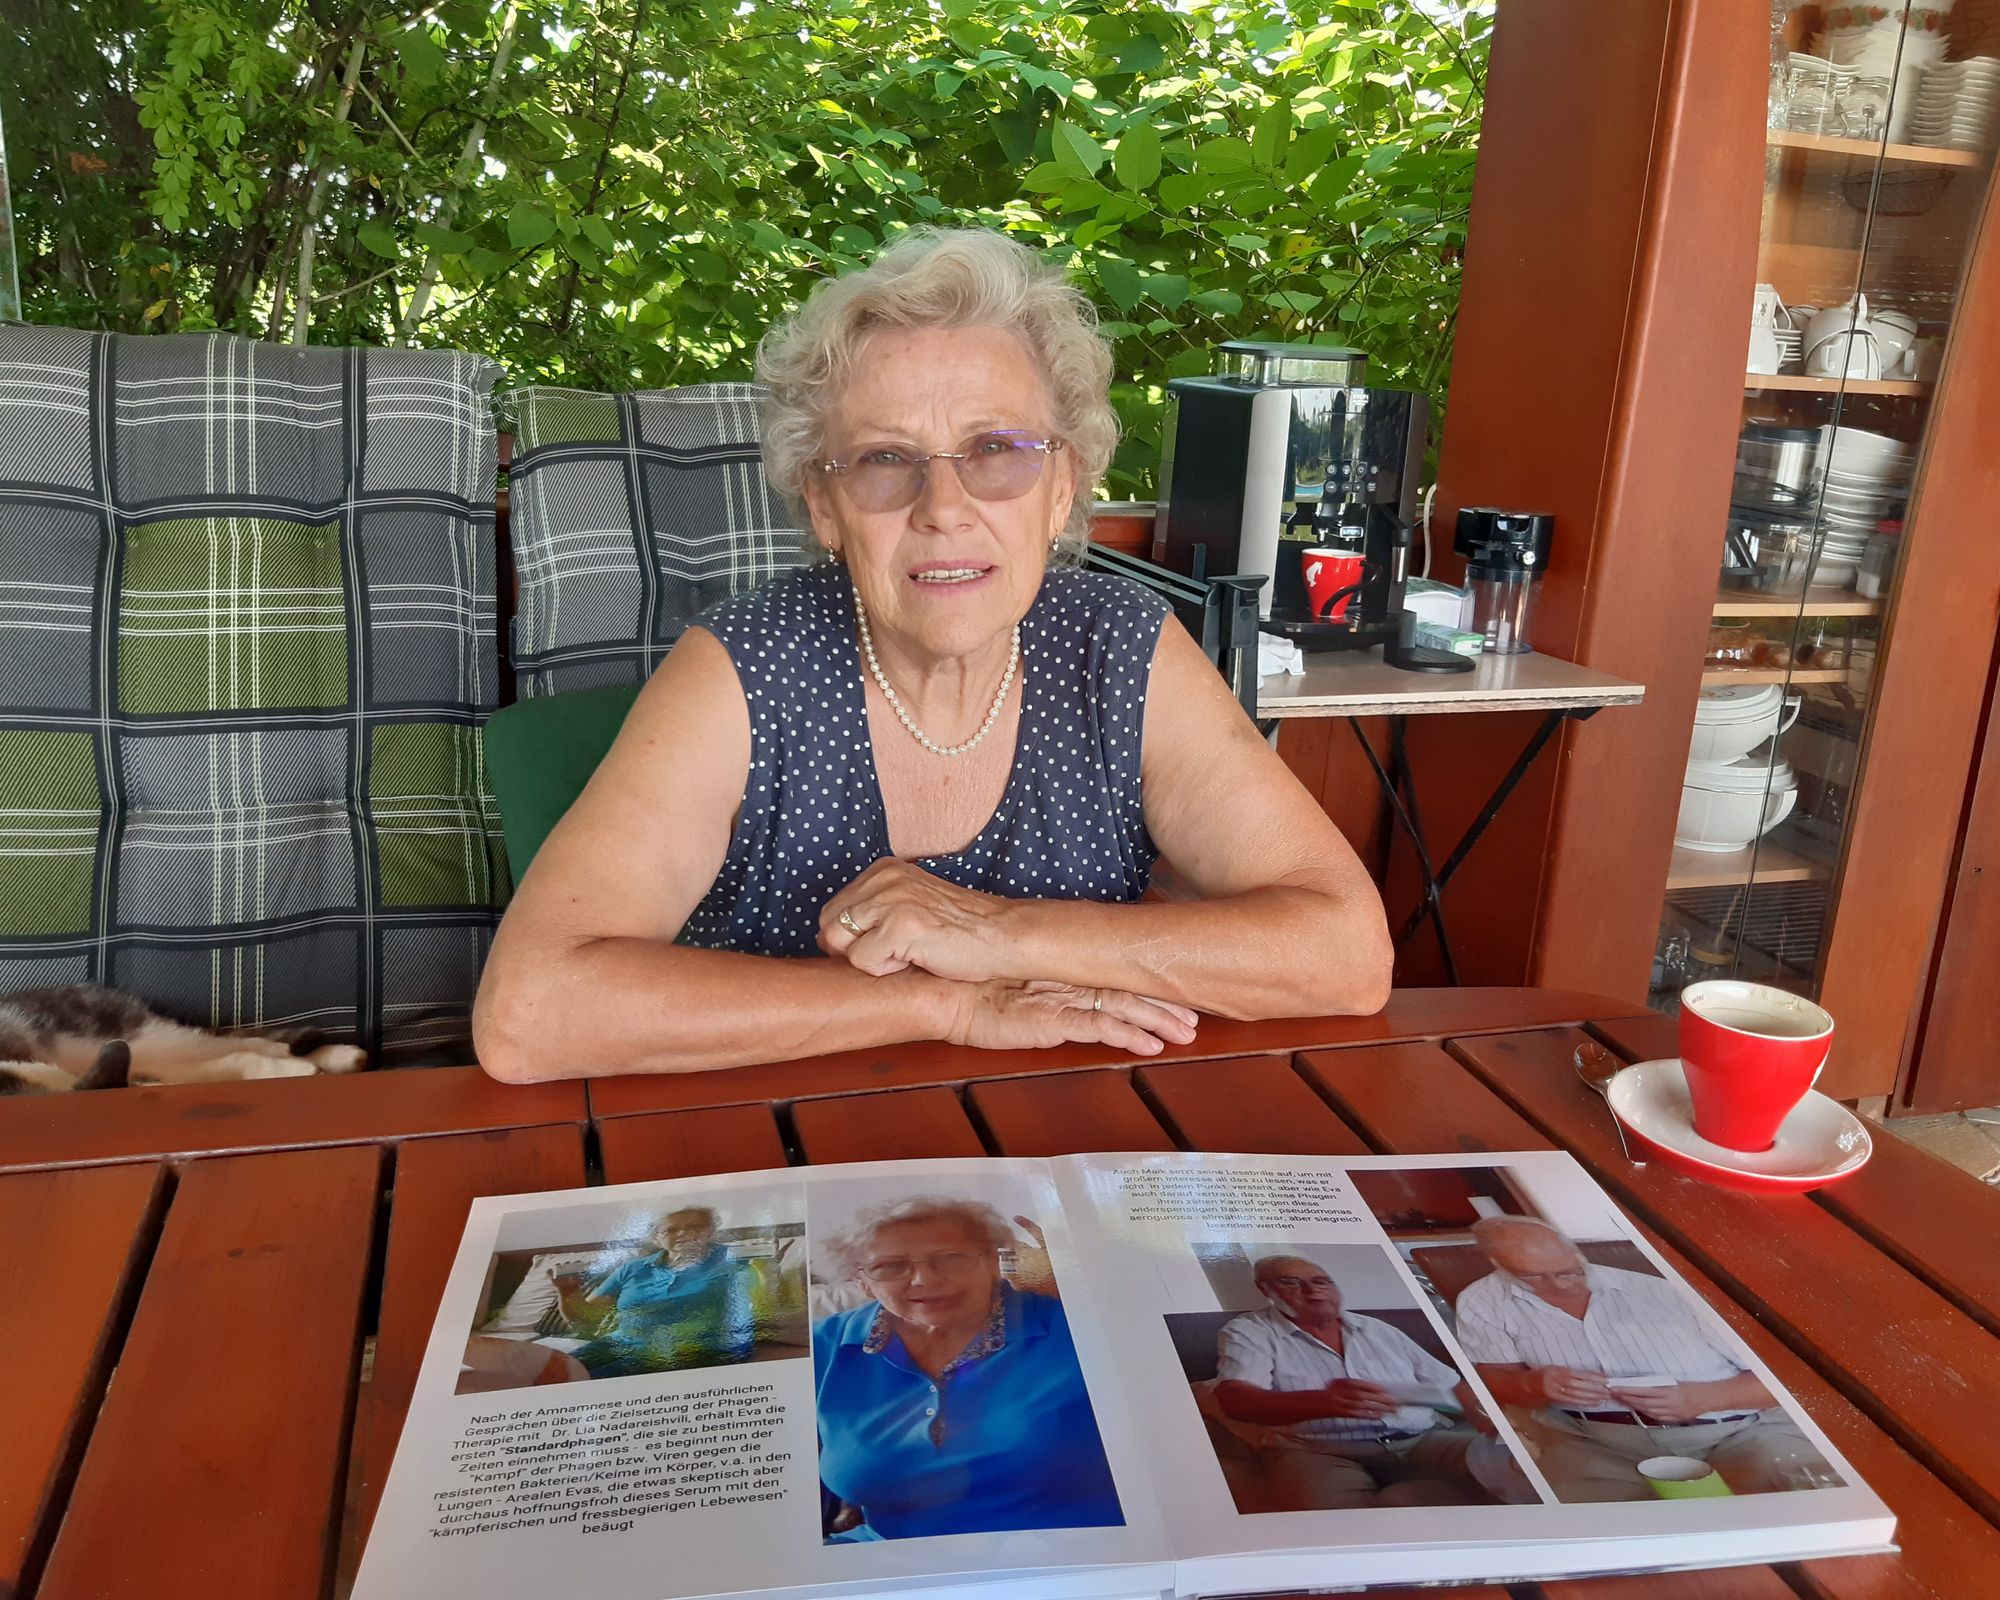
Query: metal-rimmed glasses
[1289,1282]
[996,465]
[900,1269]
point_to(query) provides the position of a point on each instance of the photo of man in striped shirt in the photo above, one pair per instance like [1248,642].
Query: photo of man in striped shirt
[1614,1367]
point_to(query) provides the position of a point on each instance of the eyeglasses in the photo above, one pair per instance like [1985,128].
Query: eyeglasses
[900,1269]
[1571,1275]
[1321,1282]
[991,466]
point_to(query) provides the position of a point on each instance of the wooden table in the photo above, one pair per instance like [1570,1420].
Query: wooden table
[217,1297]
[1358,683]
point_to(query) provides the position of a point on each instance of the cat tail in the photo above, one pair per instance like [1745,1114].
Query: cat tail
[111,1069]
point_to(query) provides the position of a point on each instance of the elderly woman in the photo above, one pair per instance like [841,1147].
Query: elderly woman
[681,1301]
[953,1403]
[940,763]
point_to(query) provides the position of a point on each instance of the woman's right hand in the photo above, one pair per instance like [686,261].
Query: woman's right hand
[1009,1015]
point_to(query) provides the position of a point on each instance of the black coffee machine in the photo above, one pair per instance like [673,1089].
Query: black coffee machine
[1283,451]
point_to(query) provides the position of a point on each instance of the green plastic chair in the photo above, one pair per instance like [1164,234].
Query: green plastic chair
[539,755]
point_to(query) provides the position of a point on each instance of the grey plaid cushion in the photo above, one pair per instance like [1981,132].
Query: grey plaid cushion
[246,650]
[629,514]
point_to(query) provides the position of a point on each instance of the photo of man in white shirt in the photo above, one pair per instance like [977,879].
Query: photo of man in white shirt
[1364,1415]
[1614,1367]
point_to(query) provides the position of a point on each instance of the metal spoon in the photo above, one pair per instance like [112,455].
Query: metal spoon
[1597,1066]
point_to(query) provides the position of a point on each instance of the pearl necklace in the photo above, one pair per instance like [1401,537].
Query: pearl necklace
[896,703]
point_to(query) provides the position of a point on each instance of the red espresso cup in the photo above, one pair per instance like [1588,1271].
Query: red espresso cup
[1750,1053]
[1327,572]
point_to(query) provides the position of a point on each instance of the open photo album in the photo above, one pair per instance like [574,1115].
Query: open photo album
[1106,1375]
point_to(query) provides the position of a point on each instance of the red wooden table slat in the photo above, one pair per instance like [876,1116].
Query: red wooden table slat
[1939,1222]
[1410,1014]
[1422,1100]
[1254,1105]
[216,1463]
[1068,1113]
[436,1182]
[1917,1364]
[72,1248]
[1418,1097]
[689,1144]
[53,1130]
[903,1125]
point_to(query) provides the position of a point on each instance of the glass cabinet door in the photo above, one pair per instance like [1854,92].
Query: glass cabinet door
[1882,128]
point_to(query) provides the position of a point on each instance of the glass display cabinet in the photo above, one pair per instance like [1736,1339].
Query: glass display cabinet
[1878,153]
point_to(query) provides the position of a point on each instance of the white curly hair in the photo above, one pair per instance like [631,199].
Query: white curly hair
[845,1253]
[939,278]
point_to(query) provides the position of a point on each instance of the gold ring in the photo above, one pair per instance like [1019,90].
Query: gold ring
[847,921]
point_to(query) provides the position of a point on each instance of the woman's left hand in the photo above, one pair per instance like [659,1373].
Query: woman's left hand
[895,916]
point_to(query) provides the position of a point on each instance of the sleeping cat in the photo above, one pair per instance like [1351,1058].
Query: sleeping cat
[85,1037]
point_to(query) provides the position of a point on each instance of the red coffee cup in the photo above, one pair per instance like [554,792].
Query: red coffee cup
[1327,572]
[1750,1053]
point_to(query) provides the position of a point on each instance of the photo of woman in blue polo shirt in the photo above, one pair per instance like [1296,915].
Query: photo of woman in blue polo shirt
[951,1401]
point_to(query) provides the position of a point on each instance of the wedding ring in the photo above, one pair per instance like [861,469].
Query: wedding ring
[1097,1001]
[847,921]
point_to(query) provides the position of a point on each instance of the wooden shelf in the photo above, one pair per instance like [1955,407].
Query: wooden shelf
[1800,382]
[1817,603]
[1916,155]
[1723,677]
[1765,863]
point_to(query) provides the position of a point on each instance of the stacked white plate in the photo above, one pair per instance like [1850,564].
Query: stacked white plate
[1867,477]
[1958,105]
[1873,49]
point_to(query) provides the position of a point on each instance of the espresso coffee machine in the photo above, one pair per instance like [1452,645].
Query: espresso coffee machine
[1282,450]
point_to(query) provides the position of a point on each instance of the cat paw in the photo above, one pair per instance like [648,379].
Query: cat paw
[338,1058]
[272,1066]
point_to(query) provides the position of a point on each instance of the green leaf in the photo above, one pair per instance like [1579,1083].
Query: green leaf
[530,224]
[1048,178]
[1297,301]
[421,58]
[853,239]
[1143,52]
[1076,152]
[1121,281]
[1136,161]
[1381,158]
[1218,156]
[1169,289]
[445,241]
[1272,132]
[1219,302]
[599,233]
[767,238]
[1179,190]
[377,236]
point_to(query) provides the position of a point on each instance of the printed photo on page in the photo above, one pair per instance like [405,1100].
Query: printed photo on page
[949,1393]
[1622,1385]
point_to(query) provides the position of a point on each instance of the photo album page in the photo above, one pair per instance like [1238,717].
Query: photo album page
[1085,1379]
[1422,1368]
[865,1378]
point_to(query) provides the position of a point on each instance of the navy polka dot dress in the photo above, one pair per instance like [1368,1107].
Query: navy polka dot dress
[1068,827]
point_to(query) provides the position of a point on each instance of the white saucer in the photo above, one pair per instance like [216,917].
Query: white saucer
[1819,1142]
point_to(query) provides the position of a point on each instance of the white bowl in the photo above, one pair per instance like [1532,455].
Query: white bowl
[1723,821]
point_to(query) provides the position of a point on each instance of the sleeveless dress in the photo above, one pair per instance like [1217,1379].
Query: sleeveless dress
[1069,825]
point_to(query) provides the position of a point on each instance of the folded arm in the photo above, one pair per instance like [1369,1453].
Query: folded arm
[1284,920]
[585,979]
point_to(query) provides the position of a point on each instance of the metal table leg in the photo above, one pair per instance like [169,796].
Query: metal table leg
[1430,903]
[1433,903]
